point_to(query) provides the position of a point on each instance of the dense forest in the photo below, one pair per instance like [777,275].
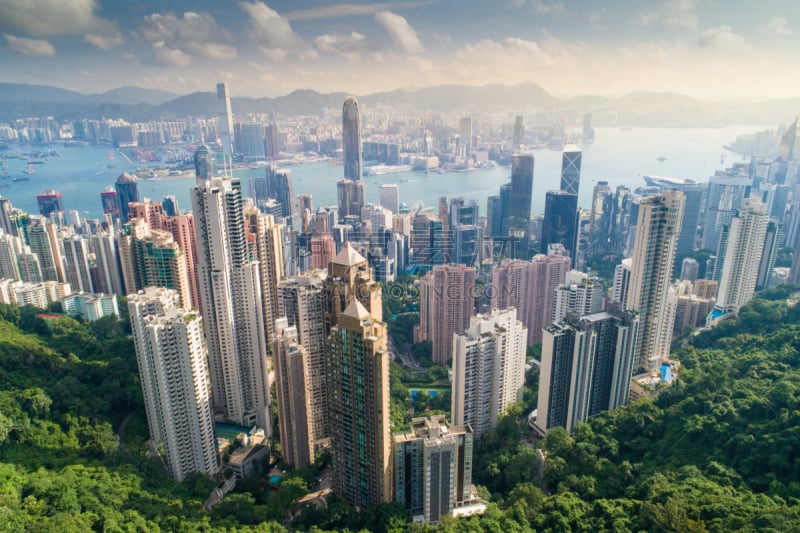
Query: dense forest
[718,451]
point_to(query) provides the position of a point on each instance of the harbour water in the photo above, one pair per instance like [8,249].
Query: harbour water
[620,157]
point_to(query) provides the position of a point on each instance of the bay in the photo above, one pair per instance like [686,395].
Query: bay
[618,156]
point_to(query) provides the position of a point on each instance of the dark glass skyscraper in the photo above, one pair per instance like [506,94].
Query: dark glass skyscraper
[49,201]
[203,163]
[571,169]
[351,139]
[519,211]
[127,191]
[560,225]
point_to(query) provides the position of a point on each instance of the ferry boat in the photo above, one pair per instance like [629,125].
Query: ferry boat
[21,178]
[29,170]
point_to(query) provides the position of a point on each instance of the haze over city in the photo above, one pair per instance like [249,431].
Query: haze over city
[707,50]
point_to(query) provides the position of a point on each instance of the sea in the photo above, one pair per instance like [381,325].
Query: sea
[618,156]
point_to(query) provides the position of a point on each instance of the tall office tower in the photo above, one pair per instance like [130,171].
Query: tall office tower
[739,252]
[390,197]
[351,139]
[488,369]
[203,164]
[225,119]
[293,394]
[305,202]
[691,212]
[251,140]
[509,287]
[357,364]
[323,250]
[769,255]
[467,242]
[301,301]
[281,187]
[586,368]
[465,134]
[175,385]
[267,238]
[547,272]
[6,222]
[560,225]
[519,212]
[30,270]
[428,240]
[76,264]
[579,294]
[351,198]
[622,282]
[657,230]
[494,217]
[106,254]
[230,292]
[110,203]
[432,468]
[571,169]
[689,269]
[183,232]
[349,278]
[272,140]
[446,304]
[588,130]
[726,191]
[601,195]
[127,192]
[463,212]
[50,202]
[10,249]
[519,134]
[46,249]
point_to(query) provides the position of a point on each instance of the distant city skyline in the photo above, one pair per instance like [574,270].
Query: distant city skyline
[741,52]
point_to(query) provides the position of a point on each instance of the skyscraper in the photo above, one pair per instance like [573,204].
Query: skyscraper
[560,225]
[446,306]
[76,264]
[579,294]
[349,278]
[432,467]
[110,203]
[252,141]
[203,164]
[571,169]
[657,230]
[106,254]
[127,192]
[292,393]
[390,197]
[358,408]
[230,291]
[225,119]
[174,376]
[465,134]
[49,202]
[547,272]
[726,191]
[488,369]
[691,212]
[739,255]
[519,219]
[350,195]
[586,368]
[519,134]
[351,139]
[509,287]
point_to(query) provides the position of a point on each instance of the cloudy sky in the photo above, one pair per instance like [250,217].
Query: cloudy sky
[708,49]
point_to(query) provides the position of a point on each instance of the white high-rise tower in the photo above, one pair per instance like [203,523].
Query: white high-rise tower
[225,118]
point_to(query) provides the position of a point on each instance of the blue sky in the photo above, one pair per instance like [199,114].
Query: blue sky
[708,49]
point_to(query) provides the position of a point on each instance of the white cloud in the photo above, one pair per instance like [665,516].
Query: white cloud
[677,13]
[49,18]
[176,41]
[779,26]
[548,6]
[31,47]
[347,10]
[271,29]
[722,38]
[401,33]
[348,45]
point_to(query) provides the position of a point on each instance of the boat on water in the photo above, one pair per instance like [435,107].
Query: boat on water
[21,178]
[29,170]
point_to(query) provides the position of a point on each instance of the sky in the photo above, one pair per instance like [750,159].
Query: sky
[714,50]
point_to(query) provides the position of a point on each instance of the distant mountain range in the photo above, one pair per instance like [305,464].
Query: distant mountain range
[640,108]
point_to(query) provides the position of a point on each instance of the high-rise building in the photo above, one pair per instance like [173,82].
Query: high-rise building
[6,223]
[357,364]
[292,393]
[657,230]
[467,242]
[267,240]
[465,134]
[690,269]
[225,119]
[726,191]
[519,212]
[693,192]
[106,254]
[571,169]
[433,468]
[447,302]
[45,244]
[547,272]
[586,368]
[76,264]
[622,282]
[769,255]
[175,385]
[272,140]
[350,195]
[390,197]
[203,164]
[127,192]
[252,141]
[11,248]
[579,294]
[739,254]
[50,202]
[588,130]
[519,134]
[110,203]
[560,225]
[323,250]
[301,302]
[351,139]
[488,369]
[281,187]
[509,287]
[349,278]
[230,292]
[183,231]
